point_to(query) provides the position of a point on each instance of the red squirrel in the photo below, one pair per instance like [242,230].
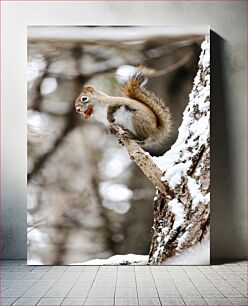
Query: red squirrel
[140,112]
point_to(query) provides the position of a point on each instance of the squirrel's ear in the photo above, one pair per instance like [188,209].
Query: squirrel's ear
[88,88]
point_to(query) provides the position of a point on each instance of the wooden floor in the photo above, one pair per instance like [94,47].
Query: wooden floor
[123,285]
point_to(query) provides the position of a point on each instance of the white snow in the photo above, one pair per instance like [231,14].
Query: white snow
[196,195]
[117,260]
[182,239]
[178,209]
[199,254]
[205,55]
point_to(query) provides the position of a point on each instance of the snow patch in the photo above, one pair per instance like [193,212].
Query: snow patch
[199,254]
[196,195]
[116,260]
[178,210]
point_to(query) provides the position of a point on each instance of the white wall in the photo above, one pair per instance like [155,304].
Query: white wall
[229,97]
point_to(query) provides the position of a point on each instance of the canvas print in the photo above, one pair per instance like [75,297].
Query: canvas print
[118,138]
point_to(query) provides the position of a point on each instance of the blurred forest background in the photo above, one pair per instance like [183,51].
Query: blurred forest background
[86,199]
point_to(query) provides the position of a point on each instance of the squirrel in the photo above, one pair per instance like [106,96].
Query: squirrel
[146,118]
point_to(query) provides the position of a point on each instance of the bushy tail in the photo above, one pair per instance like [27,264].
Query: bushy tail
[133,89]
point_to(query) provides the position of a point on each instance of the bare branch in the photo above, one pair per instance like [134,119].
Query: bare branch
[142,159]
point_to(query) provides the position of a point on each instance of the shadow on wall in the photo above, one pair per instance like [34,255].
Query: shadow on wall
[225,232]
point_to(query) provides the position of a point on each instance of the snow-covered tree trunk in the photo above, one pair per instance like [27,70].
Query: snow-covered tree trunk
[181,176]
[181,218]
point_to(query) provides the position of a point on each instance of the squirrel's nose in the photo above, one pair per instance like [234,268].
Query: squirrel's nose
[78,109]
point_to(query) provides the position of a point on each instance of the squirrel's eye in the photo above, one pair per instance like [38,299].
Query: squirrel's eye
[84,98]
